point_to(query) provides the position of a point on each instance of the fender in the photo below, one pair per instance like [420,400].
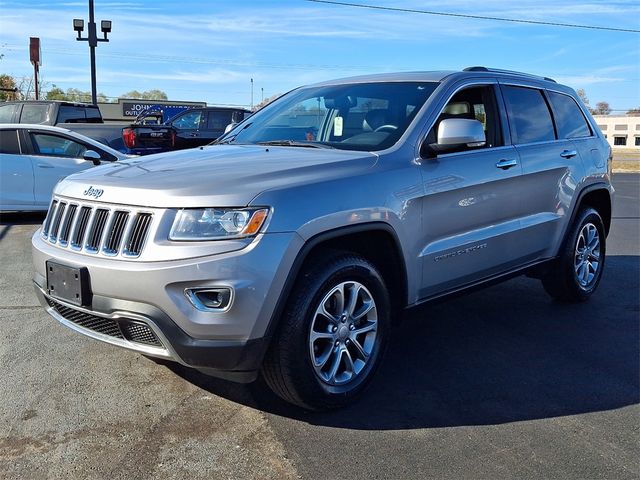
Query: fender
[314,242]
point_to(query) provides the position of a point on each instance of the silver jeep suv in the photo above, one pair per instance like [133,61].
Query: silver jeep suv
[288,247]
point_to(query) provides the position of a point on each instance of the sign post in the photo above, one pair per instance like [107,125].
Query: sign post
[34,56]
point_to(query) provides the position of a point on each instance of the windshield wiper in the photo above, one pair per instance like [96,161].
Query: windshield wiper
[293,143]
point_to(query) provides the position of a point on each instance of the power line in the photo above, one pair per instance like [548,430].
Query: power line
[475,17]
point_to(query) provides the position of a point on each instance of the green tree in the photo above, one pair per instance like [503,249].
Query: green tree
[56,93]
[8,87]
[153,94]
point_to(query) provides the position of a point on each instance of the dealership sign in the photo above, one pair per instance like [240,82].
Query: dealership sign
[133,109]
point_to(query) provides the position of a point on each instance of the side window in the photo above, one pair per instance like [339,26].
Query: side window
[570,120]
[69,114]
[188,121]
[53,145]
[93,115]
[474,103]
[9,142]
[6,113]
[37,113]
[218,120]
[529,115]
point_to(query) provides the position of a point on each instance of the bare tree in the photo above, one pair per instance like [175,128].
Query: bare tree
[602,108]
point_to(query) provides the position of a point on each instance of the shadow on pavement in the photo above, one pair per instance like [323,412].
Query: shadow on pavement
[504,354]
[22,218]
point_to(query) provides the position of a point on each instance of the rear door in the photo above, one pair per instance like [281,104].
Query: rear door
[551,168]
[16,174]
[187,127]
[54,157]
[213,127]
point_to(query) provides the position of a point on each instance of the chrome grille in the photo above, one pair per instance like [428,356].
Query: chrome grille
[57,217]
[138,234]
[116,232]
[81,228]
[97,229]
[63,236]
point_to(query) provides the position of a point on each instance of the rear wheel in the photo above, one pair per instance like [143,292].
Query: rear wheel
[332,335]
[578,270]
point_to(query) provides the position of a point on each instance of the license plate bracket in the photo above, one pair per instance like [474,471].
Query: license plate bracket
[70,284]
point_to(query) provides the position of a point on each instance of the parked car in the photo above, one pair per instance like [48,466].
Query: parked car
[191,128]
[33,158]
[291,246]
[82,118]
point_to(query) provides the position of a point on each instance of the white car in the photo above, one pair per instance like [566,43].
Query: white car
[33,158]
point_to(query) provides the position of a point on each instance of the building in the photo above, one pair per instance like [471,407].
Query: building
[621,131]
[128,109]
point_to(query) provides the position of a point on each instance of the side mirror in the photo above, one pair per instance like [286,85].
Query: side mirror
[92,156]
[230,127]
[457,133]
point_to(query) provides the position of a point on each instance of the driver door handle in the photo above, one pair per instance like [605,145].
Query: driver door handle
[505,164]
[44,165]
[568,153]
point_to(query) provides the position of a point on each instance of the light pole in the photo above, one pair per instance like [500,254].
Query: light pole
[252,94]
[92,38]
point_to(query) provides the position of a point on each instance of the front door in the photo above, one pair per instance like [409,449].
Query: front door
[471,207]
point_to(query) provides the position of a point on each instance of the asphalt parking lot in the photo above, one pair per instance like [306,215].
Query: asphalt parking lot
[501,383]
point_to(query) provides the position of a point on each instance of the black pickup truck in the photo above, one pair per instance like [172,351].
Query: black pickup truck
[191,128]
[82,118]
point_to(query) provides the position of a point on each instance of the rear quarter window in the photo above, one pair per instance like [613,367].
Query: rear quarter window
[9,142]
[529,116]
[570,120]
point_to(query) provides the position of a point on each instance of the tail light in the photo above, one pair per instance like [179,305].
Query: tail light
[129,137]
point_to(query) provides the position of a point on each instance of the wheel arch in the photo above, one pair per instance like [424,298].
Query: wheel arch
[375,241]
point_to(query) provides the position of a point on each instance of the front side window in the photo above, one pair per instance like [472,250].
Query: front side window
[53,145]
[359,116]
[473,103]
[188,121]
[38,113]
[570,120]
[529,116]
[6,113]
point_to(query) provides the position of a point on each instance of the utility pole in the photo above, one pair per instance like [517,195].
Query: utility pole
[105,26]
[252,94]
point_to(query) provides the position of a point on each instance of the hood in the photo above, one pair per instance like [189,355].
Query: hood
[217,175]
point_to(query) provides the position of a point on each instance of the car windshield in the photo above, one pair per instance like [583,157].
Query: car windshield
[361,116]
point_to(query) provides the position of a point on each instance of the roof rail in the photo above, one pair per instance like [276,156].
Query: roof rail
[497,70]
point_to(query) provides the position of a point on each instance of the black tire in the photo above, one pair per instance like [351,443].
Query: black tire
[289,368]
[566,282]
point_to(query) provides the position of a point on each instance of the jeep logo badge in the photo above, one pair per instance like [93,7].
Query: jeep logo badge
[93,192]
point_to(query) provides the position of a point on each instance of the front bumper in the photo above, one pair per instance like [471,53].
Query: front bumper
[142,306]
[109,321]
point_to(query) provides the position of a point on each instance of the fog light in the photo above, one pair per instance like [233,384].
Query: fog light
[210,299]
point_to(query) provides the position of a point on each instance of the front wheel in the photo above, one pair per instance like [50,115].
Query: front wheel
[578,270]
[332,335]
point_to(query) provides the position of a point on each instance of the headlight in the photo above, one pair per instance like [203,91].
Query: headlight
[217,223]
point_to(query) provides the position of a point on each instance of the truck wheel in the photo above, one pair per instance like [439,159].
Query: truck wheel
[577,272]
[332,335]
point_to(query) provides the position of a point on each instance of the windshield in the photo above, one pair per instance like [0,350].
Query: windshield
[364,116]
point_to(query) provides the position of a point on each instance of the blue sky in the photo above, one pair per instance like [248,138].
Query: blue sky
[209,50]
